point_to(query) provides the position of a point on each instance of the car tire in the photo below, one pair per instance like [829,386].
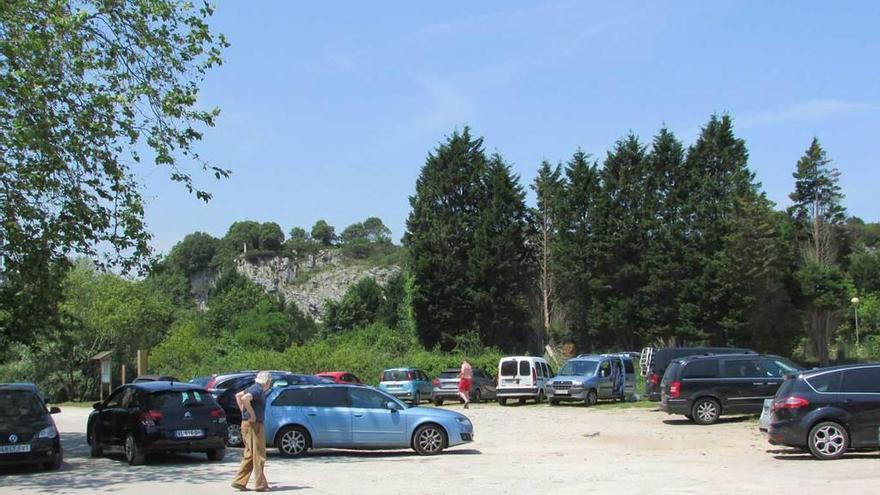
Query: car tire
[216,454]
[553,402]
[293,441]
[233,438]
[438,401]
[478,396]
[502,401]
[429,439]
[706,411]
[592,398]
[828,441]
[540,398]
[53,465]
[133,453]
[95,449]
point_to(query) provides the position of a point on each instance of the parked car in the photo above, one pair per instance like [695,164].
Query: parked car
[201,381]
[28,434]
[154,378]
[523,378]
[591,378]
[342,377]
[703,388]
[411,384]
[828,411]
[226,397]
[355,417]
[654,361]
[446,386]
[158,416]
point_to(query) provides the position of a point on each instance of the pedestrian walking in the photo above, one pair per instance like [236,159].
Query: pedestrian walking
[252,403]
[465,379]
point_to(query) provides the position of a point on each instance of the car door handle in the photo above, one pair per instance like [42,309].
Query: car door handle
[311,414]
[757,383]
[358,415]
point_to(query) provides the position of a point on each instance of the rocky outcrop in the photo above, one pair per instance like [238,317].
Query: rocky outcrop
[308,284]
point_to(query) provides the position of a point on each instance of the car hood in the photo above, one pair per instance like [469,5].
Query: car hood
[575,378]
[24,427]
[433,412]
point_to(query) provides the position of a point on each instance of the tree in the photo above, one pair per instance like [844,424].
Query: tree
[440,237]
[359,308]
[324,233]
[548,185]
[819,215]
[271,237]
[354,232]
[193,254]
[85,88]
[299,234]
[376,231]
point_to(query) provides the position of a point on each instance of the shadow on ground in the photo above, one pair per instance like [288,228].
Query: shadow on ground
[721,421]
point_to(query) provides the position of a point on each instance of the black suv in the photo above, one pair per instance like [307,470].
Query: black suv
[27,432]
[158,416]
[655,361]
[229,387]
[705,387]
[828,410]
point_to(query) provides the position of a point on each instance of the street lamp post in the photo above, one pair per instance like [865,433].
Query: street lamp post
[855,301]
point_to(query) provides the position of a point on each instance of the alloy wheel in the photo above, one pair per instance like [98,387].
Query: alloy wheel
[829,440]
[293,442]
[234,435]
[430,440]
[707,411]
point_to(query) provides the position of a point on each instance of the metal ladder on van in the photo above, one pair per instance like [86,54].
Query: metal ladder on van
[645,359]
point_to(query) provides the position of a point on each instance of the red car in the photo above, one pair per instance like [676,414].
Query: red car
[341,377]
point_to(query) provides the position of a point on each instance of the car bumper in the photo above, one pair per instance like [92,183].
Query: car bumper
[464,434]
[573,394]
[41,451]
[445,393]
[518,393]
[788,432]
[675,406]
[164,440]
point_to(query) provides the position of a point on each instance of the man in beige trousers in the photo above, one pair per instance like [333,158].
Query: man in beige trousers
[252,402]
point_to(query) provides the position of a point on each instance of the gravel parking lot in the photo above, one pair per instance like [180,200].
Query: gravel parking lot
[518,449]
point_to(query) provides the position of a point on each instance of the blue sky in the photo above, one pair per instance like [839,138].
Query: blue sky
[330,108]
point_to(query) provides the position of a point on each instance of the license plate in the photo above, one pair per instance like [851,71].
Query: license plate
[562,392]
[15,449]
[187,433]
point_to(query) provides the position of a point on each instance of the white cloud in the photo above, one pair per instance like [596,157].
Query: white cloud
[812,110]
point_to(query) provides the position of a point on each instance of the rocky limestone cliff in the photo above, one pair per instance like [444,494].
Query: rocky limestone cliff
[307,284]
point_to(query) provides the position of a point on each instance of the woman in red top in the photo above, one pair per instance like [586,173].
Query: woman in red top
[465,378]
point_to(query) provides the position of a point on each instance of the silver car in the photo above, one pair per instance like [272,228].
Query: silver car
[446,386]
[590,378]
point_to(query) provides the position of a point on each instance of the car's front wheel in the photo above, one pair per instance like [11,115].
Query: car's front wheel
[706,411]
[417,399]
[828,440]
[133,453]
[293,441]
[53,465]
[438,401]
[592,398]
[216,454]
[502,401]
[429,440]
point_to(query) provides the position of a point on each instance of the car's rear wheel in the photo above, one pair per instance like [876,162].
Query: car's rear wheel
[233,438]
[216,454]
[53,465]
[95,449]
[592,398]
[133,453]
[828,440]
[417,399]
[502,401]
[553,402]
[478,396]
[706,411]
[293,441]
[438,401]
[429,440]
[540,398]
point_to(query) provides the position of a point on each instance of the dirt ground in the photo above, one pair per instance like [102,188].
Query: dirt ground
[518,449]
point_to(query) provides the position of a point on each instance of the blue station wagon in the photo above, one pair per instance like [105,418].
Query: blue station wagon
[410,384]
[304,417]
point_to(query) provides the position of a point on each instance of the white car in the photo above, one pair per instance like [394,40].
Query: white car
[523,378]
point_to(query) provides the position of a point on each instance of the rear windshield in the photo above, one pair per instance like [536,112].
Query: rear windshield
[672,371]
[508,368]
[397,376]
[786,386]
[179,399]
[579,368]
[17,403]
[450,374]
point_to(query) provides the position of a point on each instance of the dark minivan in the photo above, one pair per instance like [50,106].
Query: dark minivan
[28,434]
[828,410]
[703,388]
[653,363]
[158,417]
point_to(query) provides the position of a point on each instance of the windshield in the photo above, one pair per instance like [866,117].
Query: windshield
[17,403]
[449,374]
[579,368]
[396,376]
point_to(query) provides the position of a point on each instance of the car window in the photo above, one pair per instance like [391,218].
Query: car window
[777,368]
[19,403]
[741,368]
[546,369]
[292,397]
[178,398]
[704,368]
[422,376]
[508,368]
[628,366]
[525,368]
[394,376]
[826,382]
[328,397]
[125,402]
[861,380]
[115,400]
[605,368]
[367,399]
[450,374]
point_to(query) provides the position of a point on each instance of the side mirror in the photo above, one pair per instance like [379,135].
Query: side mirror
[97,406]
[54,410]
[393,406]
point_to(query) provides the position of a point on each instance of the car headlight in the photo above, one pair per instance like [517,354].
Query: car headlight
[577,384]
[463,421]
[48,432]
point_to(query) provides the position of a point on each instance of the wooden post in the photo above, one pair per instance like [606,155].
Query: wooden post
[123,374]
[143,362]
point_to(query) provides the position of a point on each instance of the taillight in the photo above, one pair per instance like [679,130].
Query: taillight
[675,390]
[789,403]
[217,413]
[436,382]
[534,376]
[151,418]
[655,379]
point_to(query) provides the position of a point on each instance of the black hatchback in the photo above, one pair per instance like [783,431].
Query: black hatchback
[158,417]
[828,411]
[28,434]
[703,388]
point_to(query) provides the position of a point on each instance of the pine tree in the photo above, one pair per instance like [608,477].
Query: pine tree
[548,186]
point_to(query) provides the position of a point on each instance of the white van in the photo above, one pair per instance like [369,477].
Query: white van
[523,378]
